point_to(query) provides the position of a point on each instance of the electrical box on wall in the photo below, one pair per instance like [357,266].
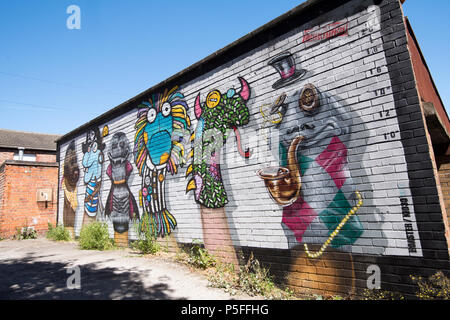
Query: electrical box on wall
[44,195]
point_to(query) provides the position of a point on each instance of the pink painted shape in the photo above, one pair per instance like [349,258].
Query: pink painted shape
[286,75]
[245,91]
[298,217]
[198,107]
[128,169]
[109,171]
[333,160]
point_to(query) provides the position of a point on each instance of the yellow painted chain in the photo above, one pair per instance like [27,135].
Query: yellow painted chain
[336,231]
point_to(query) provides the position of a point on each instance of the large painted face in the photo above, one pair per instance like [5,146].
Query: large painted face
[318,125]
[158,133]
[71,170]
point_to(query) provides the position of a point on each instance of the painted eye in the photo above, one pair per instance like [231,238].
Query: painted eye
[151,115]
[309,99]
[213,99]
[166,109]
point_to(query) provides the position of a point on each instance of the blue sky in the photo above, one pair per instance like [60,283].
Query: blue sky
[53,79]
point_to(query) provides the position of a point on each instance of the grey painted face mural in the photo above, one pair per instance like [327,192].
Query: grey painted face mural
[121,205]
[316,116]
[313,136]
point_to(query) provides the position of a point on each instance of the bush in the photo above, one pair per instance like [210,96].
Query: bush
[199,257]
[58,233]
[254,279]
[146,244]
[25,233]
[436,287]
[378,294]
[95,236]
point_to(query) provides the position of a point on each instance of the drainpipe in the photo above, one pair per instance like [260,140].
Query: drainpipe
[21,149]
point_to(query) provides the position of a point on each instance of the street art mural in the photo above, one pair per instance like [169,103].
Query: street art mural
[216,117]
[92,162]
[121,206]
[71,175]
[286,67]
[317,184]
[315,158]
[159,147]
[272,115]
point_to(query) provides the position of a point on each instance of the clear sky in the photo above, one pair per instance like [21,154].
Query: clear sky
[53,79]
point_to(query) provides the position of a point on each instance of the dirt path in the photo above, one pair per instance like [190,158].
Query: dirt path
[39,269]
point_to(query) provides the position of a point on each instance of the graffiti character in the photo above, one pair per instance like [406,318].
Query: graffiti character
[93,164]
[219,114]
[71,174]
[158,148]
[121,205]
[313,157]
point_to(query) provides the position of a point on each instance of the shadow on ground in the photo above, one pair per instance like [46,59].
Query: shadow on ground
[28,278]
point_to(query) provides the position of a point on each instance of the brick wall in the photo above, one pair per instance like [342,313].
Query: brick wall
[354,202]
[444,178]
[6,155]
[42,157]
[19,183]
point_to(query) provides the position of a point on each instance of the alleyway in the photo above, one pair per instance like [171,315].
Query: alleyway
[40,269]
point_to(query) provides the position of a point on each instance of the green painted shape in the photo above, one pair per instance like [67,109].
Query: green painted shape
[303,161]
[334,214]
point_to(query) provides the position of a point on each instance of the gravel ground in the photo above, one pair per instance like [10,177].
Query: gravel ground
[40,269]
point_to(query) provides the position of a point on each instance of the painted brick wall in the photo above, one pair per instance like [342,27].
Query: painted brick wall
[19,207]
[350,197]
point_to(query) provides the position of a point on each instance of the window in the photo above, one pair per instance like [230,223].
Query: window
[25,156]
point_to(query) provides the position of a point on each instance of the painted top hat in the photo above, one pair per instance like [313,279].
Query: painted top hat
[284,63]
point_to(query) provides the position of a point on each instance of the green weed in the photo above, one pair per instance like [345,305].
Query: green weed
[95,236]
[58,233]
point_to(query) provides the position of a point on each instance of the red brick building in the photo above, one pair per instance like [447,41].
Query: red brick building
[28,181]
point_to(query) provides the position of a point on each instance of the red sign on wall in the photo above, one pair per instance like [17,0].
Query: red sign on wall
[335,29]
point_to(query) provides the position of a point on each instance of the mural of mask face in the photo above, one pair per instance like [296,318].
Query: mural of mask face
[121,205]
[69,185]
[71,169]
[158,133]
[318,117]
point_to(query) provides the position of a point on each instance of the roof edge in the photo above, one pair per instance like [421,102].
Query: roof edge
[413,36]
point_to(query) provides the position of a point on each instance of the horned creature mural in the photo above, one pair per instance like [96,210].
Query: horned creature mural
[159,148]
[220,114]
[216,117]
